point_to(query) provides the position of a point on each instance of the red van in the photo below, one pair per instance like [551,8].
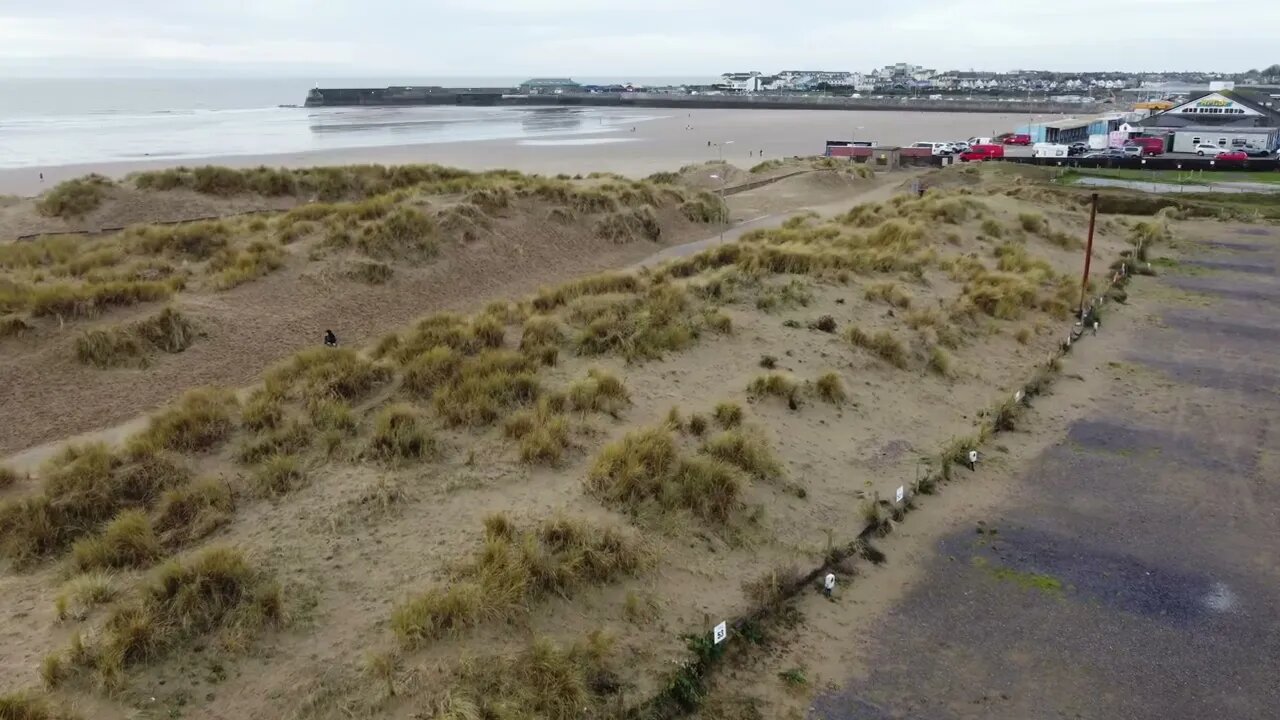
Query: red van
[1149,145]
[1016,139]
[982,152]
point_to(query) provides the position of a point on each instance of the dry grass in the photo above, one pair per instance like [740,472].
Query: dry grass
[191,512]
[168,331]
[29,706]
[1032,222]
[400,433]
[645,469]
[775,384]
[486,386]
[201,420]
[81,489]
[290,437]
[8,477]
[74,198]
[883,345]
[128,541]
[600,391]
[279,474]
[82,593]
[830,388]
[1023,336]
[215,591]
[728,414]
[430,370]
[629,225]
[541,682]
[316,373]
[772,589]
[746,450]
[791,294]
[939,361]
[889,293]
[232,268]
[647,330]
[516,568]
[543,432]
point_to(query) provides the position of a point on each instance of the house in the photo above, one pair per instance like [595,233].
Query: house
[746,82]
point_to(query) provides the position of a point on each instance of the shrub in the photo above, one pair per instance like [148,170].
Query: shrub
[399,433]
[541,331]
[772,589]
[193,511]
[8,477]
[1023,336]
[331,415]
[200,420]
[728,414]
[262,411]
[279,474]
[992,228]
[74,198]
[697,425]
[883,344]
[28,706]
[485,386]
[369,272]
[127,541]
[826,324]
[600,391]
[288,438]
[13,326]
[792,294]
[719,322]
[830,388]
[405,232]
[169,331]
[627,225]
[744,450]
[235,268]
[83,593]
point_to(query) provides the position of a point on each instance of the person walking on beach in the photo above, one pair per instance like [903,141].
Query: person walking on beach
[973,460]
[41,177]
[330,340]
[829,585]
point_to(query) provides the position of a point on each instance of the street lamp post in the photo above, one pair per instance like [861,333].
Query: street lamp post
[722,178]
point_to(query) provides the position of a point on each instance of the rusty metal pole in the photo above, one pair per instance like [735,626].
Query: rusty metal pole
[1088,253]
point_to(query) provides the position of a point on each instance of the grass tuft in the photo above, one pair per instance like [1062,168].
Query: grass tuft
[831,388]
[193,511]
[200,421]
[745,450]
[279,474]
[74,198]
[600,391]
[400,433]
[128,541]
[644,468]
[883,344]
[728,414]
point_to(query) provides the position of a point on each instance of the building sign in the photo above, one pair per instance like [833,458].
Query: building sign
[1214,102]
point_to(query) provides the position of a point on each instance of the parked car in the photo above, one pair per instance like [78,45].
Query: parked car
[938,148]
[1150,145]
[1108,154]
[1232,156]
[1078,148]
[1133,151]
[959,147]
[981,152]
[1211,150]
[1016,139]
[1256,152]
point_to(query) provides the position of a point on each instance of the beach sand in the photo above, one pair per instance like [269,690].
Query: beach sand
[666,143]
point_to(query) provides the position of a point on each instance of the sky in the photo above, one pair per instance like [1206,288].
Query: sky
[642,38]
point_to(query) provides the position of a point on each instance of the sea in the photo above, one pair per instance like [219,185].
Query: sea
[51,122]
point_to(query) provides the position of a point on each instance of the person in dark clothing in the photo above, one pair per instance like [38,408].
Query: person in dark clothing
[330,340]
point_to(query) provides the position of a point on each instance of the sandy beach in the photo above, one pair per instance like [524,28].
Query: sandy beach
[663,143]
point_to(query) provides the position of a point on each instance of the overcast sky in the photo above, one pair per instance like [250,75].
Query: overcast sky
[641,38]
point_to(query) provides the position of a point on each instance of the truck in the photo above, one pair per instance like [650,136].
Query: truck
[1098,141]
[982,151]
[1149,145]
[1050,150]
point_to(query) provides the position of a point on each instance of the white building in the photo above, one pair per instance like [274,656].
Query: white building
[746,82]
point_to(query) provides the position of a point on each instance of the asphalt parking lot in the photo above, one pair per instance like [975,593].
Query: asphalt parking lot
[1135,570]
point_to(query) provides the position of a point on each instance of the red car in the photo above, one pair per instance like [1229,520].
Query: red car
[1232,156]
[1017,139]
[982,152]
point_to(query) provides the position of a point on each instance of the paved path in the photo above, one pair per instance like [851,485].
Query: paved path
[1134,572]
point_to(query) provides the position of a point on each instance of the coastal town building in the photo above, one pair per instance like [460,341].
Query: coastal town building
[1228,118]
[549,86]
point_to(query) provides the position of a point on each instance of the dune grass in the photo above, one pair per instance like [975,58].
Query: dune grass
[199,421]
[30,706]
[486,386]
[830,388]
[193,511]
[338,373]
[728,414]
[81,594]
[775,385]
[128,541]
[81,489]
[400,434]
[279,474]
[430,370]
[543,432]
[74,198]
[882,344]
[232,268]
[746,450]
[516,568]
[645,469]
[167,331]
[215,591]
[600,391]
[543,681]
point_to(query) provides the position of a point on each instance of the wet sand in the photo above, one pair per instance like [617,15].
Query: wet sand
[665,143]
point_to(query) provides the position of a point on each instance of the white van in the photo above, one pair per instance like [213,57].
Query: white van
[938,148]
[1050,150]
[980,141]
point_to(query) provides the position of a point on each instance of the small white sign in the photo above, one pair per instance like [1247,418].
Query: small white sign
[720,632]
[1017,397]
[902,492]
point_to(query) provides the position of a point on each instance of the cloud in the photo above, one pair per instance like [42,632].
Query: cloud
[598,38]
